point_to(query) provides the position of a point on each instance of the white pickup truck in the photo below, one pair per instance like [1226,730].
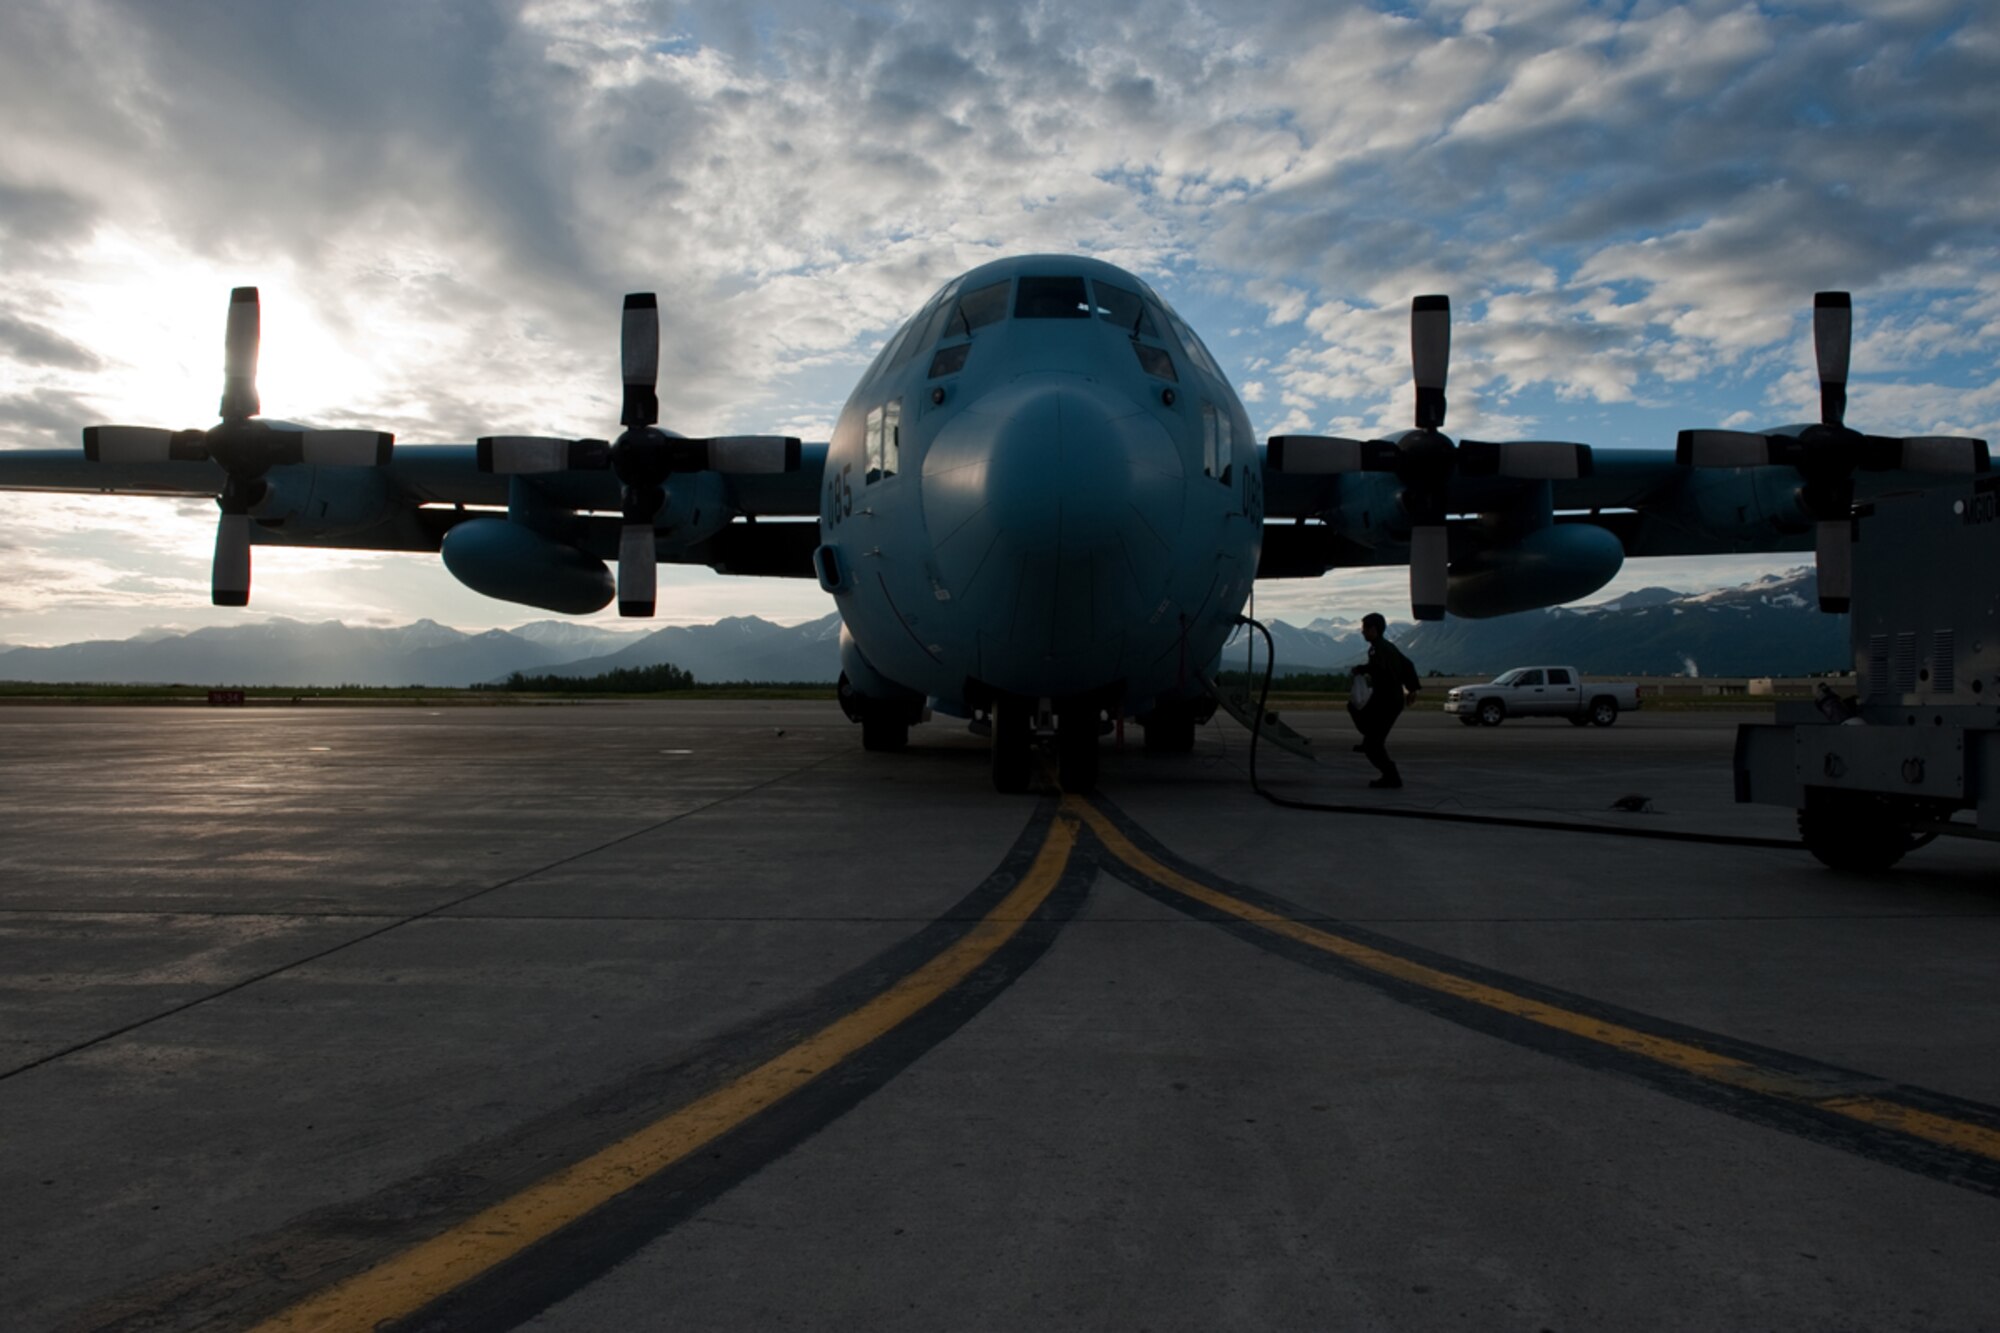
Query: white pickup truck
[1541,691]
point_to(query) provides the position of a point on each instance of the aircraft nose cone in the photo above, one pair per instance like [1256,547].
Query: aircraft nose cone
[1059,499]
[1055,461]
[1061,468]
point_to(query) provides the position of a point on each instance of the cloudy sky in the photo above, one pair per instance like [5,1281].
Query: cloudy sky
[1629,203]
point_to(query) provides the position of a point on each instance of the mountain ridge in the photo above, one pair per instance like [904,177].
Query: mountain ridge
[1767,627]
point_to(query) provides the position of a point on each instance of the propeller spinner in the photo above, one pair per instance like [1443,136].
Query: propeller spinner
[243,447]
[1425,460]
[643,457]
[1826,455]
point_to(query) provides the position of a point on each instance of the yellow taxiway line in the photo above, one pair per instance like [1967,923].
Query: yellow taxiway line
[1958,1135]
[406,1282]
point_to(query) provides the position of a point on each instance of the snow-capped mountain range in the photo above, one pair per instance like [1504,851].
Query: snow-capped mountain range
[1769,627]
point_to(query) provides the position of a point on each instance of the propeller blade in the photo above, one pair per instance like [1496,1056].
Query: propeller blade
[127,444]
[751,454]
[1944,453]
[1722,448]
[518,455]
[229,578]
[639,353]
[1528,460]
[1430,356]
[239,368]
[1833,330]
[346,448]
[1311,455]
[1429,557]
[638,572]
[1833,547]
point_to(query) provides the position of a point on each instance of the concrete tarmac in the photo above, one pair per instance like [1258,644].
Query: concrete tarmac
[696,1015]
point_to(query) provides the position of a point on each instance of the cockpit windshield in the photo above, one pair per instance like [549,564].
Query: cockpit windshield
[1117,306]
[976,309]
[1052,298]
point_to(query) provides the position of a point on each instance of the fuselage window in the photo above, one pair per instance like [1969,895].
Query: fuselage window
[977,309]
[1216,444]
[949,360]
[1052,298]
[885,440]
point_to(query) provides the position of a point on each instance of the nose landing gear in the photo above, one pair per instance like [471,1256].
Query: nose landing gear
[1077,729]
[1018,725]
[1013,744]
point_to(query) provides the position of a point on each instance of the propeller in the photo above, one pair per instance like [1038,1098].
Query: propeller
[243,447]
[643,457]
[1424,459]
[1827,455]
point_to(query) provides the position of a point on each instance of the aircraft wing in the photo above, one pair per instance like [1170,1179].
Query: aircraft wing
[523,518]
[1490,528]
[763,524]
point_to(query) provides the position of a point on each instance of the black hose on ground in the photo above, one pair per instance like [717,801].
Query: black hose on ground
[1453,817]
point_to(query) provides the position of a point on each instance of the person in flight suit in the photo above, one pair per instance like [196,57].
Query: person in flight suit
[1392,684]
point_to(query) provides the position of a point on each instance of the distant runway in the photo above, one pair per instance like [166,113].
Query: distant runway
[696,1015]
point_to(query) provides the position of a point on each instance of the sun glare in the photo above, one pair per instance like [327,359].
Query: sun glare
[159,319]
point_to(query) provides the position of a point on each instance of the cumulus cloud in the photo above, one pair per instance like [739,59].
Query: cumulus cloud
[1629,205]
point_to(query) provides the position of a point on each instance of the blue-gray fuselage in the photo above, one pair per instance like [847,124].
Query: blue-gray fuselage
[1043,488]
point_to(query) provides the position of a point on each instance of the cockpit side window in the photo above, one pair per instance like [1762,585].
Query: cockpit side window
[921,332]
[976,309]
[1192,345]
[934,320]
[1052,298]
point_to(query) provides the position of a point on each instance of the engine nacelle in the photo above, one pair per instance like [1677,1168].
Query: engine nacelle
[498,558]
[1546,567]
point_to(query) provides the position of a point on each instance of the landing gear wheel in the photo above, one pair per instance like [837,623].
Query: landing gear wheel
[883,733]
[1603,712]
[1076,748]
[1492,713]
[1169,730]
[1013,745]
[1847,834]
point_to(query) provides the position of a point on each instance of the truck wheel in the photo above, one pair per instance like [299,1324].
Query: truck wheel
[1603,712]
[1846,834]
[1491,713]
[1579,719]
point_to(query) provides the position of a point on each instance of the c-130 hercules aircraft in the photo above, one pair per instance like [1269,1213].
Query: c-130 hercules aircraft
[1043,500]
